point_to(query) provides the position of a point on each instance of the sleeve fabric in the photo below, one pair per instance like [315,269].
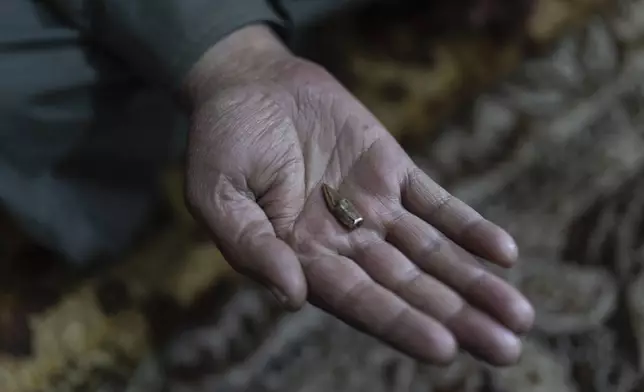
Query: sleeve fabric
[299,13]
[162,39]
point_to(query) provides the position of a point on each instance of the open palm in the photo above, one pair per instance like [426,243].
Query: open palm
[259,154]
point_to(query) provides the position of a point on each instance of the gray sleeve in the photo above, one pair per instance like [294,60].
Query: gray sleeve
[162,39]
[299,13]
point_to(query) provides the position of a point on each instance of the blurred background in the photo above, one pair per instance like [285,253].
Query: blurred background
[531,111]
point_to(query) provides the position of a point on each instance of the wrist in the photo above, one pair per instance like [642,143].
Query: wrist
[251,53]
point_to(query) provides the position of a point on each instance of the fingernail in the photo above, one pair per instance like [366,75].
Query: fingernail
[280,296]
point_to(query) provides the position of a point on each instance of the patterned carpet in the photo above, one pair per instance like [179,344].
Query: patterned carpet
[542,133]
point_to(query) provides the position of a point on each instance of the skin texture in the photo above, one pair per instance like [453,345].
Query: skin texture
[268,128]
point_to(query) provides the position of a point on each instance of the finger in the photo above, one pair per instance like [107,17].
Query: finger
[457,268]
[473,330]
[501,348]
[341,287]
[428,200]
[247,240]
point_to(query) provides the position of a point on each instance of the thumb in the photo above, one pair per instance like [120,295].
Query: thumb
[248,241]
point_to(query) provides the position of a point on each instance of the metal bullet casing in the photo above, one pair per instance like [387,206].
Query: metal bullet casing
[341,208]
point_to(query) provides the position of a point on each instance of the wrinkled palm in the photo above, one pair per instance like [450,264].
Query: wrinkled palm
[259,152]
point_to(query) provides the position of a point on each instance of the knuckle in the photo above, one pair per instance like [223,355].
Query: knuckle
[391,325]
[471,225]
[352,296]
[431,247]
[477,279]
[455,314]
[443,200]
[412,275]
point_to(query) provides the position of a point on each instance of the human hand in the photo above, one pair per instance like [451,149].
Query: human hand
[268,129]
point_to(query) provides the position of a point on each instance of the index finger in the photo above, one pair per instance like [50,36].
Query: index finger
[462,224]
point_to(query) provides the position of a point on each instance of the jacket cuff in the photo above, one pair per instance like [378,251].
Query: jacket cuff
[300,13]
[165,42]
